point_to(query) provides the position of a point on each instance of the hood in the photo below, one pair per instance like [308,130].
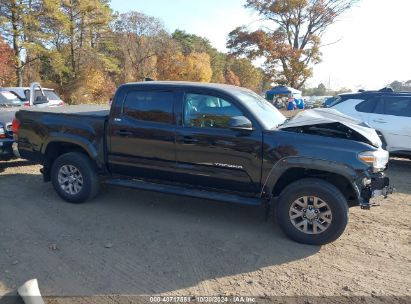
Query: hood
[7,115]
[330,122]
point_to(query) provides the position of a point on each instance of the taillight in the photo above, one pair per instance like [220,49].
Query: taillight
[26,104]
[2,132]
[61,103]
[15,126]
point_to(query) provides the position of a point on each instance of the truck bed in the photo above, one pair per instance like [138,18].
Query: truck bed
[82,110]
[81,124]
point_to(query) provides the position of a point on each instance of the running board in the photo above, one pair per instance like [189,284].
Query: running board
[185,191]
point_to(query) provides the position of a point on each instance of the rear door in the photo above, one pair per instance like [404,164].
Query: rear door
[358,107]
[142,135]
[208,153]
[392,117]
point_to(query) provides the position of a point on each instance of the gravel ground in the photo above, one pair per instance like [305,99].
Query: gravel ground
[135,242]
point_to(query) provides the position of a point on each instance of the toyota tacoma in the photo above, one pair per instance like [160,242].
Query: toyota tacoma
[211,141]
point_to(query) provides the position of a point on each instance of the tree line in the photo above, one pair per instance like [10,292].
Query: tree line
[84,50]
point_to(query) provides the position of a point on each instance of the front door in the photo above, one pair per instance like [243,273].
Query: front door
[208,153]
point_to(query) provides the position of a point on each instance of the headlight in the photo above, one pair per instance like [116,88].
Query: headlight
[2,133]
[377,159]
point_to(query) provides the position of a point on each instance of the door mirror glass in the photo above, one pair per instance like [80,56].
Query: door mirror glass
[241,123]
[41,100]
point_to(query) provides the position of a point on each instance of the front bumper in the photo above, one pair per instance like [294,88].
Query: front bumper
[6,149]
[376,185]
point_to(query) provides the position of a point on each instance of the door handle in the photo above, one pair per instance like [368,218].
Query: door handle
[124,133]
[189,140]
[379,120]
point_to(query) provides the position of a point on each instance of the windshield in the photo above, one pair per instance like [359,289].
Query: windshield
[51,95]
[265,112]
[8,99]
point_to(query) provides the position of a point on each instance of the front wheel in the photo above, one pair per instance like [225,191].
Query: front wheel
[312,211]
[74,177]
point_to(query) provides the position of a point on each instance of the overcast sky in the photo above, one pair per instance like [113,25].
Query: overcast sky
[373,48]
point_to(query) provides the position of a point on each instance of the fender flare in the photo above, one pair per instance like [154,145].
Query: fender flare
[291,162]
[82,142]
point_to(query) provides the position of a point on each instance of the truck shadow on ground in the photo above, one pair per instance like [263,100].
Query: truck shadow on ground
[131,242]
[13,164]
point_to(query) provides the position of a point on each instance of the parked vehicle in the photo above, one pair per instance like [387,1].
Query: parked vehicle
[28,95]
[9,104]
[211,141]
[315,102]
[386,111]
[329,101]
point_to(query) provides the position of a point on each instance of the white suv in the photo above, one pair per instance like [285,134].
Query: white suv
[386,111]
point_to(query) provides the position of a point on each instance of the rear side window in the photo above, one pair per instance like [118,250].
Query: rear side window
[368,105]
[149,106]
[397,106]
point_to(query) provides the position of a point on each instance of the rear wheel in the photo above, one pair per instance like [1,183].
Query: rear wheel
[74,177]
[312,211]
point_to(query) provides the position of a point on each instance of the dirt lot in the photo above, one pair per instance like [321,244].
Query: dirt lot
[134,242]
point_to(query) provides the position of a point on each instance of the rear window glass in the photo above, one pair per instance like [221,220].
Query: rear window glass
[149,106]
[50,94]
[368,105]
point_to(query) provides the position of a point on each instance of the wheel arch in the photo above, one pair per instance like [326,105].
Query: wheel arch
[56,147]
[293,169]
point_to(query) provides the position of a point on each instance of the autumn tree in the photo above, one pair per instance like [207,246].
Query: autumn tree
[248,75]
[78,28]
[191,43]
[6,64]
[231,78]
[292,46]
[79,47]
[191,67]
[141,38]
[20,26]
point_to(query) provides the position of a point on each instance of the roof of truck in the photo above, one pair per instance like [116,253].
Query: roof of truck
[224,87]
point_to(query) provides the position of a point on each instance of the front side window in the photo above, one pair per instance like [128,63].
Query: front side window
[149,106]
[397,106]
[206,111]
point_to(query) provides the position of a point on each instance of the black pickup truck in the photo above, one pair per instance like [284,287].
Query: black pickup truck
[211,141]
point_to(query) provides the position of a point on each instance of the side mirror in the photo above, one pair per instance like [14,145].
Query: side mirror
[41,100]
[240,123]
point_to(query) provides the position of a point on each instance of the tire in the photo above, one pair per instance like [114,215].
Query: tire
[82,172]
[315,192]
